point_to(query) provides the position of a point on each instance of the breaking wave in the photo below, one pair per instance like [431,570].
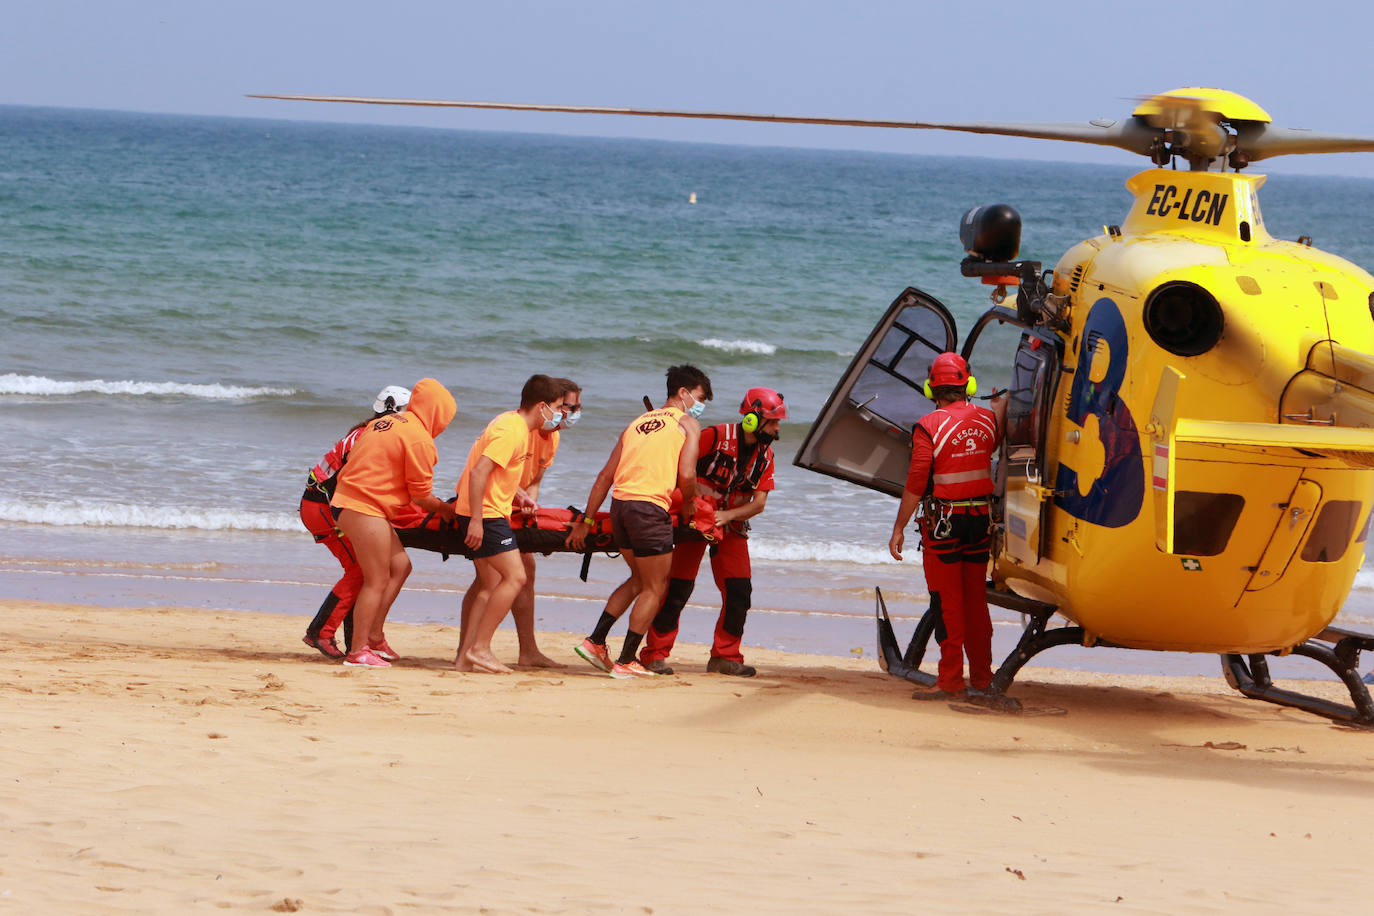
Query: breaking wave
[757,347]
[37,385]
[70,514]
[787,551]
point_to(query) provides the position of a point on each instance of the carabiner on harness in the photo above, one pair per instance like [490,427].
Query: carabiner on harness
[943,528]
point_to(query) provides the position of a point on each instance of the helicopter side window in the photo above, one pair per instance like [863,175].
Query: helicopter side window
[1332,531]
[1028,406]
[1203,522]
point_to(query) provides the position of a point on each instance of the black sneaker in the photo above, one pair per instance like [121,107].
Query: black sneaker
[935,693]
[731,667]
[659,666]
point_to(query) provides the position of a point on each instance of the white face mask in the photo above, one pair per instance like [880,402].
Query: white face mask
[570,419]
[697,409]
[552,422]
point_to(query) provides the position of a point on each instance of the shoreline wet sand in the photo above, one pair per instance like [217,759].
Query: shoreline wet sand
[817,608]
[170,758]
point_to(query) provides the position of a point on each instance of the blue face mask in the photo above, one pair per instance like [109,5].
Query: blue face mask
[697,409]
[570,419]
[552,422]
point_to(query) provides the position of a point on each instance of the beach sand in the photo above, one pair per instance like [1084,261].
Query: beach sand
[173,760]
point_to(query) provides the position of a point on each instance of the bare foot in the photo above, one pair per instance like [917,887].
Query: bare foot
[536,659]
[481,663]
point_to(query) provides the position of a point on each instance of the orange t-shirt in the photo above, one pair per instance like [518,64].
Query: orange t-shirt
[540,455]
[506,441]
[649,452]
[392,463]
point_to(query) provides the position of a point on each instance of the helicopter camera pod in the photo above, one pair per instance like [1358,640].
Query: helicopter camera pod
[1183,318]
[991,232]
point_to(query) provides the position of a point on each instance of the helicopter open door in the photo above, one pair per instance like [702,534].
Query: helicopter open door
[863,434]
[1023,464]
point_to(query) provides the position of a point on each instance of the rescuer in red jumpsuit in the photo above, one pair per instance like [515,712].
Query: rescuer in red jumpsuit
[951,478]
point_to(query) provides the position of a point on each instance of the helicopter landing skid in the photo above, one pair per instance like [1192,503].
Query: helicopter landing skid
[1336,648]
[1034,640]
[899,664]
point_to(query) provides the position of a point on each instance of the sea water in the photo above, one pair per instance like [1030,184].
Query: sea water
[194,309]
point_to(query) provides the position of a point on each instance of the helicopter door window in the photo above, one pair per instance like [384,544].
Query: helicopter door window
[1332,531]
[889,387]
[1203,522]
[863,433]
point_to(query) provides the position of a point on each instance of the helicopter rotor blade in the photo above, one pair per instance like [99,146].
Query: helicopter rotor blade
[1133,135]
[1262,141]
[1173,125]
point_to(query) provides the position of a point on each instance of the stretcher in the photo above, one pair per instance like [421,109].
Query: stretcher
[545,531]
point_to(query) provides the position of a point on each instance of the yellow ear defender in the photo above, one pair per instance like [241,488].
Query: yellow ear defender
[970,388]
[750,422]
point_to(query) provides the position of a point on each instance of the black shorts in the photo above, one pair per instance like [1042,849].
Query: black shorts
[642,528]
[497,536]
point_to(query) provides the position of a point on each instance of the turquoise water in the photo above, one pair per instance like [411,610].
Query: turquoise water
[195,308]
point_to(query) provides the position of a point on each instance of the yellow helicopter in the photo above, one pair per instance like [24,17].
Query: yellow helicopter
[1189,456]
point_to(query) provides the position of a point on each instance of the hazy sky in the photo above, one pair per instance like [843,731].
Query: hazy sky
[1071,60]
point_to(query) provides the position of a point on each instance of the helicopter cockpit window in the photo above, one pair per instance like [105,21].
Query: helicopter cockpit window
[890,385]
[1332,531]
[1203,522]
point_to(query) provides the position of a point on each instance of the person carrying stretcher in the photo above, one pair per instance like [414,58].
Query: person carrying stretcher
[318,518]
[734,477]
[655,453]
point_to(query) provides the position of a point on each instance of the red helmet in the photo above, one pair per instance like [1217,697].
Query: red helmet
[761,404]
[948,369]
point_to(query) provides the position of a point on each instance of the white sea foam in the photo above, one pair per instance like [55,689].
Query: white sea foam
[38,385]
[757,347]
[790,551]
[118,515]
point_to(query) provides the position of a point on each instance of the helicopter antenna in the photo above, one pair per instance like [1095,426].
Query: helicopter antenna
[1326,317]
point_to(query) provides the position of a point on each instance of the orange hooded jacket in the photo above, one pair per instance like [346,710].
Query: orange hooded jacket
[392,463]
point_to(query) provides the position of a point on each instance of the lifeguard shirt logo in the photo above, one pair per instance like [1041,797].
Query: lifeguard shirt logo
[382,425]
[649,426]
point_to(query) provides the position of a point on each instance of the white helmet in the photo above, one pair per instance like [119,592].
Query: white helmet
[390,399]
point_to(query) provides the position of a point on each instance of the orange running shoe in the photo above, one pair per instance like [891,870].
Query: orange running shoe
[595,654]
[629,670]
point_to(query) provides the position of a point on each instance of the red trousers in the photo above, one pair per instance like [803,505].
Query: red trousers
[319,521]
[731,570]
[956,569]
